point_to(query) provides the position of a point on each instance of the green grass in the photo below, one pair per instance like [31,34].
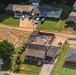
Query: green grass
[52,25]
[8,20]
[56,24]
[60,67]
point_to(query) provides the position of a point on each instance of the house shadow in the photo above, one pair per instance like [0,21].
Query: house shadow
[29,62]
[70,66]
[52,19]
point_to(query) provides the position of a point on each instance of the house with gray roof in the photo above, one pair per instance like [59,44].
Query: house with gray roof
[71,56]
[47,11]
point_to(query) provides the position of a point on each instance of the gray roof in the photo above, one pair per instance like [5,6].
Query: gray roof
[38,1]
[71,55]
[47,9]
[52,52]
[21,8]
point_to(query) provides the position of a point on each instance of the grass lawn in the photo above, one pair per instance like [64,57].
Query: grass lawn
[8,20]
[60,68]
[56,24]
[52,25]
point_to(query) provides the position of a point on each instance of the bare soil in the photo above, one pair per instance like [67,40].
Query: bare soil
[13,35]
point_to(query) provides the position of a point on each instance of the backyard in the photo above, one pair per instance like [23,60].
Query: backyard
[60,68]
[7,19]
[57,24]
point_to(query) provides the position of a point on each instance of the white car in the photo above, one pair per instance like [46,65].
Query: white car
[37,20]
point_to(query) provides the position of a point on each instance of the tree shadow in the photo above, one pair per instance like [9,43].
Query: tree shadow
[7,65]
[17,70]
[4,16]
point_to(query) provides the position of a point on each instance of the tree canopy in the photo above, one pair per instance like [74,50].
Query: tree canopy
[6,49]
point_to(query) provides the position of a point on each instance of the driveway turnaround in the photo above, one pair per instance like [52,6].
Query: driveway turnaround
[47,68]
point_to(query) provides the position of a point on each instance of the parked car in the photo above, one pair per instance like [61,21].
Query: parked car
[30,17]
[37,20]
[42,20]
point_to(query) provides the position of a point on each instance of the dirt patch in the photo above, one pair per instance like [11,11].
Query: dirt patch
[13,35]
[24,67]
[58,39]
[27,24]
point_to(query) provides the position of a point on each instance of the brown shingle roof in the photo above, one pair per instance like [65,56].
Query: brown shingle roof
[35,53]
[21,8]
[72,16]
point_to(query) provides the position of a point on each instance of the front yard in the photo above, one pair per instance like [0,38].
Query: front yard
[52,25]
[7,19]
[57,24]
[60,68]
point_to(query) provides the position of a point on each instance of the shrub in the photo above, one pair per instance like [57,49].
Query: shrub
[18,62]
[18,57]
[20,52]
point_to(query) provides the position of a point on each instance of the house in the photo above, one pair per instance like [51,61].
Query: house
[39,47]
[71,19]
[74,6]
[19,10]
[34,2]
[71,56]
[47,11]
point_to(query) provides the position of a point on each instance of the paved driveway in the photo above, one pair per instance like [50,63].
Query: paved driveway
[47,68]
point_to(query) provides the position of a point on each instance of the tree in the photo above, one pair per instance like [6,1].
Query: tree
[6,49]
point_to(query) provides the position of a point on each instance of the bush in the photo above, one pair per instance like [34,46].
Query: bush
[18,57]
[24,45]
[20,52]
[18,62]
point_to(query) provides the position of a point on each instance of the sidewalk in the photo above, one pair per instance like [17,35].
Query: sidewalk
[47,68]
